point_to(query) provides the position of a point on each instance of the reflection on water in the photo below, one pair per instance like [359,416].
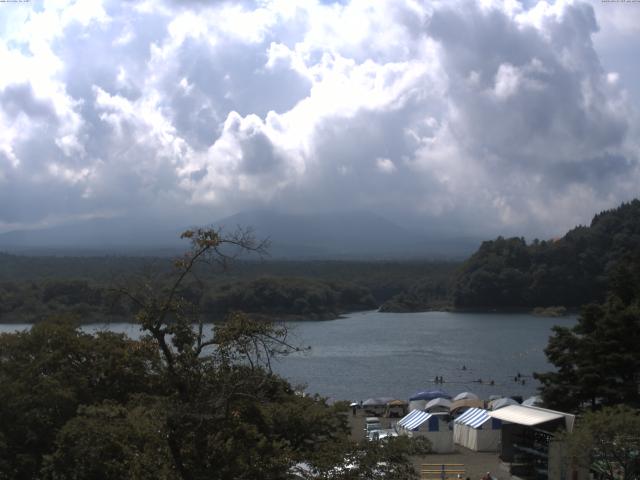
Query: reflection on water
[390,354]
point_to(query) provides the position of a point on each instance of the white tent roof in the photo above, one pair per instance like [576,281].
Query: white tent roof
[474,417]
[438,402]
[534,401]
[465,395]
[414,419]
[501,403]
[528,416]
[417,404]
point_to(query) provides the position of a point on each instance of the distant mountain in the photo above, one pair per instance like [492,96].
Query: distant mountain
[343,235]
[350,235]
[96,236]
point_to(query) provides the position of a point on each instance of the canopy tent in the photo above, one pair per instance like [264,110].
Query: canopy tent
[396,408]
[438,405]
[459,406]
[532,416]
[535,401]
[429,395]
[417,405]
[377,405]
[465,396]
[433,427]
[476,430]
[501,402]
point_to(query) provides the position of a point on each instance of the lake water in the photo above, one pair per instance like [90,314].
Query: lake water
[372,354]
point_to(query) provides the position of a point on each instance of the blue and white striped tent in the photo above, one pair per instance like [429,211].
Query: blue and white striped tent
[409,417]
[434,427]
[415,419]
[476,430]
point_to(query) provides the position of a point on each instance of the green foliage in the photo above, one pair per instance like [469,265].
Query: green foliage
[33,288]
[49,371]
[178,404]
[289,296]
[608,443]
[108,441]
[427,294]
[571,271]
[598,360]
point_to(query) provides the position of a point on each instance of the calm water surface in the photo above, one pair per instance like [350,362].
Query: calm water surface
[390,354]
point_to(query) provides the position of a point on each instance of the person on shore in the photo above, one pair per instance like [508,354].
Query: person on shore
[487,476]
[492,382]
[435,380]
[464,367]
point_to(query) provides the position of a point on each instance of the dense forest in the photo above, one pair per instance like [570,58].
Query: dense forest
[570,271]
[506,273]
[32,288]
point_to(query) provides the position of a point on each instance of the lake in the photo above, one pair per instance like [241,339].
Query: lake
[369,354]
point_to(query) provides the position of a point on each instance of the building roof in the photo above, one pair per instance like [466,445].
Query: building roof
[528,416]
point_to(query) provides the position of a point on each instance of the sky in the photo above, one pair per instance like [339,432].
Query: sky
[481,117]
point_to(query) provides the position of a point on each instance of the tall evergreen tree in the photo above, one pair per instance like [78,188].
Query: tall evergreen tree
[598,360]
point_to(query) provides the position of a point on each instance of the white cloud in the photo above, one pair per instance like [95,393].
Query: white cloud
[490,115]
[385,165]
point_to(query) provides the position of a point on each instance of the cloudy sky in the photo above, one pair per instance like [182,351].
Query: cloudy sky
[484,117]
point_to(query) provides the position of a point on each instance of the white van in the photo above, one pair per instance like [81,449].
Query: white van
[371,424]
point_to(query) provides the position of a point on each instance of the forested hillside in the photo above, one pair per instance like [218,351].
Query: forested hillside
[570,271]
[32,288]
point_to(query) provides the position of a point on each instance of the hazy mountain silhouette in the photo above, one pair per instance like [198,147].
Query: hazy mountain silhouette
[344,234]
[328,235]
[96,236]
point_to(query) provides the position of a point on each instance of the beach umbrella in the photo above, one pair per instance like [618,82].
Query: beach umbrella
[502,402]
[429,395]
[465,396]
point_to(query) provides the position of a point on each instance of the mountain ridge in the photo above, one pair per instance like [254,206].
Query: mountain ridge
[336,235]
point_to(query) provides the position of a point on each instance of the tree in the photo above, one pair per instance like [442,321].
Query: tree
[598,360]
[608,443]
[182,403]
[48,372]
